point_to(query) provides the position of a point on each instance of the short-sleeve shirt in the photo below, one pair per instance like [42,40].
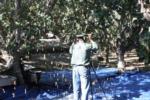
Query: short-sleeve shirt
[81,52]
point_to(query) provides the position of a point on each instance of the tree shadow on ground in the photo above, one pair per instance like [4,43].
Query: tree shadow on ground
[127,86]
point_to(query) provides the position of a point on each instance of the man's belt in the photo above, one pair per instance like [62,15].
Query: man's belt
[80,65]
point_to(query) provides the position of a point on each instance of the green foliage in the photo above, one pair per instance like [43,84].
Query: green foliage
[68,17]
[107,19]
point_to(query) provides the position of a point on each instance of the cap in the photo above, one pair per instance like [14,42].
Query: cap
[80,35]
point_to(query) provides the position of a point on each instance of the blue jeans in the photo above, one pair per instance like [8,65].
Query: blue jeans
[81,82]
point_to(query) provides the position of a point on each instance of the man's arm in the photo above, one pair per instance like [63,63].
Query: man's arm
[93,45]
[71,48]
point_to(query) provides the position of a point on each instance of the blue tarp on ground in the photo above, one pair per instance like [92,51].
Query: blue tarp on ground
[130,85]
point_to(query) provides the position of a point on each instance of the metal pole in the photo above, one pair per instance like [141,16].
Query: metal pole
[91,66]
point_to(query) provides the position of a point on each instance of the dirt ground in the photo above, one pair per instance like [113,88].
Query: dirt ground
[62,60]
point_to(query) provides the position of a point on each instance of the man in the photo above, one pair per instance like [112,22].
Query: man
[80,60]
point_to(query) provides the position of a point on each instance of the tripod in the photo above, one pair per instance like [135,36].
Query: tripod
[97,78]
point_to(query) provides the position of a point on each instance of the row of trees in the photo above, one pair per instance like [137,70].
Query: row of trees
[117,25]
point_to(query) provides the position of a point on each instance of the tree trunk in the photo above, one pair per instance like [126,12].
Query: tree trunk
[120,55]
[17,61]
[50,5]
[18,71]
[107,54]
[16,53]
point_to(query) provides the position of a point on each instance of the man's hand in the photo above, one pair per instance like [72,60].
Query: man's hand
[89,36]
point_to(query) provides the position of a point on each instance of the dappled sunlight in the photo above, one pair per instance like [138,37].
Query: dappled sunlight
[49,61]
[131,85]
[36,35]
